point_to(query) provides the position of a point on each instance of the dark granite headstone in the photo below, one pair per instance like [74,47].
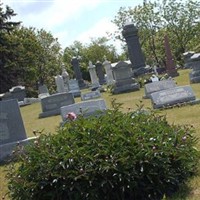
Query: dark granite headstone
[158,86]
[186,57]
[11,124]
[90,95]
[86,108]
[51,105]
[172,96]
[130,33]
[77,72]
[100,73]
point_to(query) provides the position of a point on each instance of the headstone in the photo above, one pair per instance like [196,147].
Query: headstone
[51,105]
[60,84]
[12,129]
[130,33]
[74,88]
[173,96]
[170,65]
[93,75]
[43,91]
[124,82]
[100,73]
[86,108]
[65,77]
[77,72]
[158,86]
[109,74]
[195,65]
[90,95]
[16,92]
[154,78]
[187,57]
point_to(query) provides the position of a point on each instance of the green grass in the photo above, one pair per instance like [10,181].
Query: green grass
[178,115]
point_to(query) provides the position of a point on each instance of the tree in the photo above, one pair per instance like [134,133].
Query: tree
[7,46]
[178,19]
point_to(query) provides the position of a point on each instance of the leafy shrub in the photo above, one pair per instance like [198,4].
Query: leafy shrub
[134,155]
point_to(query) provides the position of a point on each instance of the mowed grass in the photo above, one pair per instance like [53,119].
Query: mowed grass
[188,114]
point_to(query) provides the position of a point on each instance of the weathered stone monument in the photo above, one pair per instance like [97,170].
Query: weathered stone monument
[65,77]
[170,65]
[12,131]
[51,105]
[93,75]
[195,65]
[60,84]
[109,74]
[124,82]
[130,33]
[43,91]
[100,73]
[77,72]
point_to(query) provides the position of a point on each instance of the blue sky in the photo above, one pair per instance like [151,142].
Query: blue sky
[70,20]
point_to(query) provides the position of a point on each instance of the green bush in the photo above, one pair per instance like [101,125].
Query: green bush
[118,156]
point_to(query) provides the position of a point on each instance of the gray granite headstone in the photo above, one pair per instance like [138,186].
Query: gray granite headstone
[172,96]
[16,92]
[74,88]
[124,82]
[51,105]
[12,131]
[11,124]
[195,65]
[158,86]
[87,108]
[90,95]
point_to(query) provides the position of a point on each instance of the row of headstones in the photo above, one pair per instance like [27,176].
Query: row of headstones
[166,93]
[192,60]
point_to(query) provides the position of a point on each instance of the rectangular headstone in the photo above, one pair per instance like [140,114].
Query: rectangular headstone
[74,88]
[43,89]
[11,124]
[86,108]
[90,95]
[172,96]
[158,86]
[51,105]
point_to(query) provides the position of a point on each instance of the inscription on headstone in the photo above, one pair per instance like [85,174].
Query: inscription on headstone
[172,96]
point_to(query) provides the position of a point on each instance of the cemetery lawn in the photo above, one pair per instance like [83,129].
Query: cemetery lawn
[179,115]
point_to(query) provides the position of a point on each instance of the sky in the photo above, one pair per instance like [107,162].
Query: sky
[70,20]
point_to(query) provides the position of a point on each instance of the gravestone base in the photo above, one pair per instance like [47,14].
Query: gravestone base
[8,148]
[75,93]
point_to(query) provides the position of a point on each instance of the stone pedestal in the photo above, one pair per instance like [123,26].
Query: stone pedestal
[109,73]
[77,72]
[170,65]
[195,65]
[123,78]
[136,56]
[100,73]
